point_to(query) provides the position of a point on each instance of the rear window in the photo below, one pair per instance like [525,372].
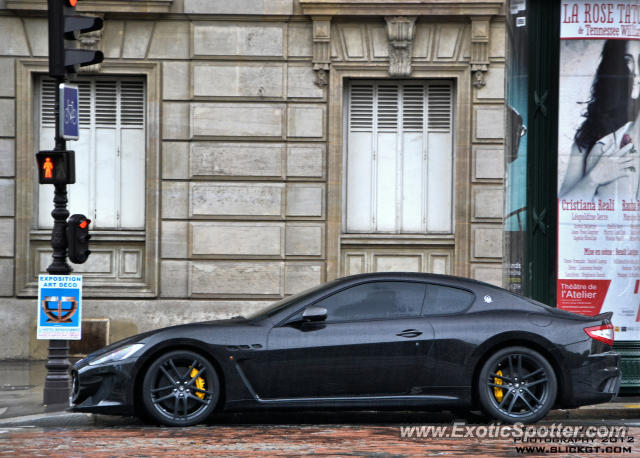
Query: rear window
[445,300]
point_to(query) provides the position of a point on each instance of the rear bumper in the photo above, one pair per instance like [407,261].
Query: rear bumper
[595,380]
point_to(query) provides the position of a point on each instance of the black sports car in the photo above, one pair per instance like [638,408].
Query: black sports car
[385,340]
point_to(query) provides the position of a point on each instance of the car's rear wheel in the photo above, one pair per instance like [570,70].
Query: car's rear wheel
[180,388]
[517,384]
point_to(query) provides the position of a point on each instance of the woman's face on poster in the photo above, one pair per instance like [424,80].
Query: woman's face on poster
[632,59]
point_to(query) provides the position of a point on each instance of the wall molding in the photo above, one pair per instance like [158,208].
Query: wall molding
[401,7]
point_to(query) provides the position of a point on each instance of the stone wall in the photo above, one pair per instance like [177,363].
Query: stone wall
[244,177]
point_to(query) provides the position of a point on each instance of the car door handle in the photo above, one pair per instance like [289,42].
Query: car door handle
[409,333]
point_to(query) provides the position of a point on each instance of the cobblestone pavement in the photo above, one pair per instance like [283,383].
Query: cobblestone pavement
[270,440]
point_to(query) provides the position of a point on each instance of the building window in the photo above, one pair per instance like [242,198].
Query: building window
[110,154]
[399,162]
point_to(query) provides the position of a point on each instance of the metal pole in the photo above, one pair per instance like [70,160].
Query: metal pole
[57,382]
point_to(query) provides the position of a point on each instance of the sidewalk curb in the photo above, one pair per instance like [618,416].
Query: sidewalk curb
[77,419]
[592,414]
[67,419]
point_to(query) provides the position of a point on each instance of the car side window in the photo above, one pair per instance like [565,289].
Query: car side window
[385,299]
[445,300]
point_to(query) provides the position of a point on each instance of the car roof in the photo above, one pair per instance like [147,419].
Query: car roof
[438,278]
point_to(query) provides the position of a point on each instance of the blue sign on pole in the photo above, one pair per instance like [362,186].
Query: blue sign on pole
[59,307]
[68,112]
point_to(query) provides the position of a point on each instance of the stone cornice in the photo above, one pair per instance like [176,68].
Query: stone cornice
[105,6]
[402,7]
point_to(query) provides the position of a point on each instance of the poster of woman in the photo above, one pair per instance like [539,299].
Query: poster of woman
[599,162]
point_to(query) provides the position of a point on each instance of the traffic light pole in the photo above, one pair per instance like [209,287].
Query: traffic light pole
[63,26]
[57,382]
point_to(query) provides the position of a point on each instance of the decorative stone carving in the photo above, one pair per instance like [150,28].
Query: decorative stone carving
[91,40]
[479,49]
[321,49]
[401,31]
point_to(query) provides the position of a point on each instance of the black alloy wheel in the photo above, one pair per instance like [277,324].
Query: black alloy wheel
[180,388]
[517,384]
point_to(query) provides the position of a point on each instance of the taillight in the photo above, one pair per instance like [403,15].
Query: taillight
[603,333]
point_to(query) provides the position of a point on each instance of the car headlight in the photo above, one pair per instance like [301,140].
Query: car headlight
[117,355]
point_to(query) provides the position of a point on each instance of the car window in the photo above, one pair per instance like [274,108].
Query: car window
[445,300]
[388,299]
[286,302]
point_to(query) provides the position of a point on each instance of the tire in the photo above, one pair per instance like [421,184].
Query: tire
[180,388]
[517,384]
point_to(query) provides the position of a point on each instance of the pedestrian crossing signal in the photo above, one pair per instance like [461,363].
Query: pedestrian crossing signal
[56,167]
[47,167]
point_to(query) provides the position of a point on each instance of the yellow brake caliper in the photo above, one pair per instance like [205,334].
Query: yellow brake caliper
[199,383]
[498,392]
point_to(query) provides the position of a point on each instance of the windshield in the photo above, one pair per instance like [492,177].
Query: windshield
[276,307]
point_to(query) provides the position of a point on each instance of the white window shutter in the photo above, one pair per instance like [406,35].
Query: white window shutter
[81,193]
[399,166]
[386,157]
[110,154]
[132,155]
[359,167]
[46,142]
[106,150]
[413,160]
[440,157]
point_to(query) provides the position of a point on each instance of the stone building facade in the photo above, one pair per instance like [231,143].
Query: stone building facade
[244,183]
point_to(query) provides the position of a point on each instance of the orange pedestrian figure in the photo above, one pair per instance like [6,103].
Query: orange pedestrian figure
[48,168]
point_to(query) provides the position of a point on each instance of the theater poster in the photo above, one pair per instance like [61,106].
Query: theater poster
[599,162]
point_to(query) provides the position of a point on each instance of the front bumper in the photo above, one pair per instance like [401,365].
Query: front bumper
[106,389]
[596,380]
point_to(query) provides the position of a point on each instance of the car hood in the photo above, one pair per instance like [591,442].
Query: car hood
[180,328]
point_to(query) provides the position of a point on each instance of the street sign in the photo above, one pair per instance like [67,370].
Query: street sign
[68,112]
[59,307]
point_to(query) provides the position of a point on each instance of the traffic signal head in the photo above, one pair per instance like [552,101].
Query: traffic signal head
[56,167]
[78,238]
[64,24]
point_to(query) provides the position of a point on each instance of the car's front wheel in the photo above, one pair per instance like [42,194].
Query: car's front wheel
[180,388]
[517,384]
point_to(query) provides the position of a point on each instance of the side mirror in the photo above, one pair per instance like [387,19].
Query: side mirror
[314,314]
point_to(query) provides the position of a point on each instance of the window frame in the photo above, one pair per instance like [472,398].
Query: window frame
[93,125]
[473,301]
[459,243]
[25,279]
[426,131]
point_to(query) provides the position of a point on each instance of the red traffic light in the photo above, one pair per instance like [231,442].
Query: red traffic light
[64,24]
[78,238]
